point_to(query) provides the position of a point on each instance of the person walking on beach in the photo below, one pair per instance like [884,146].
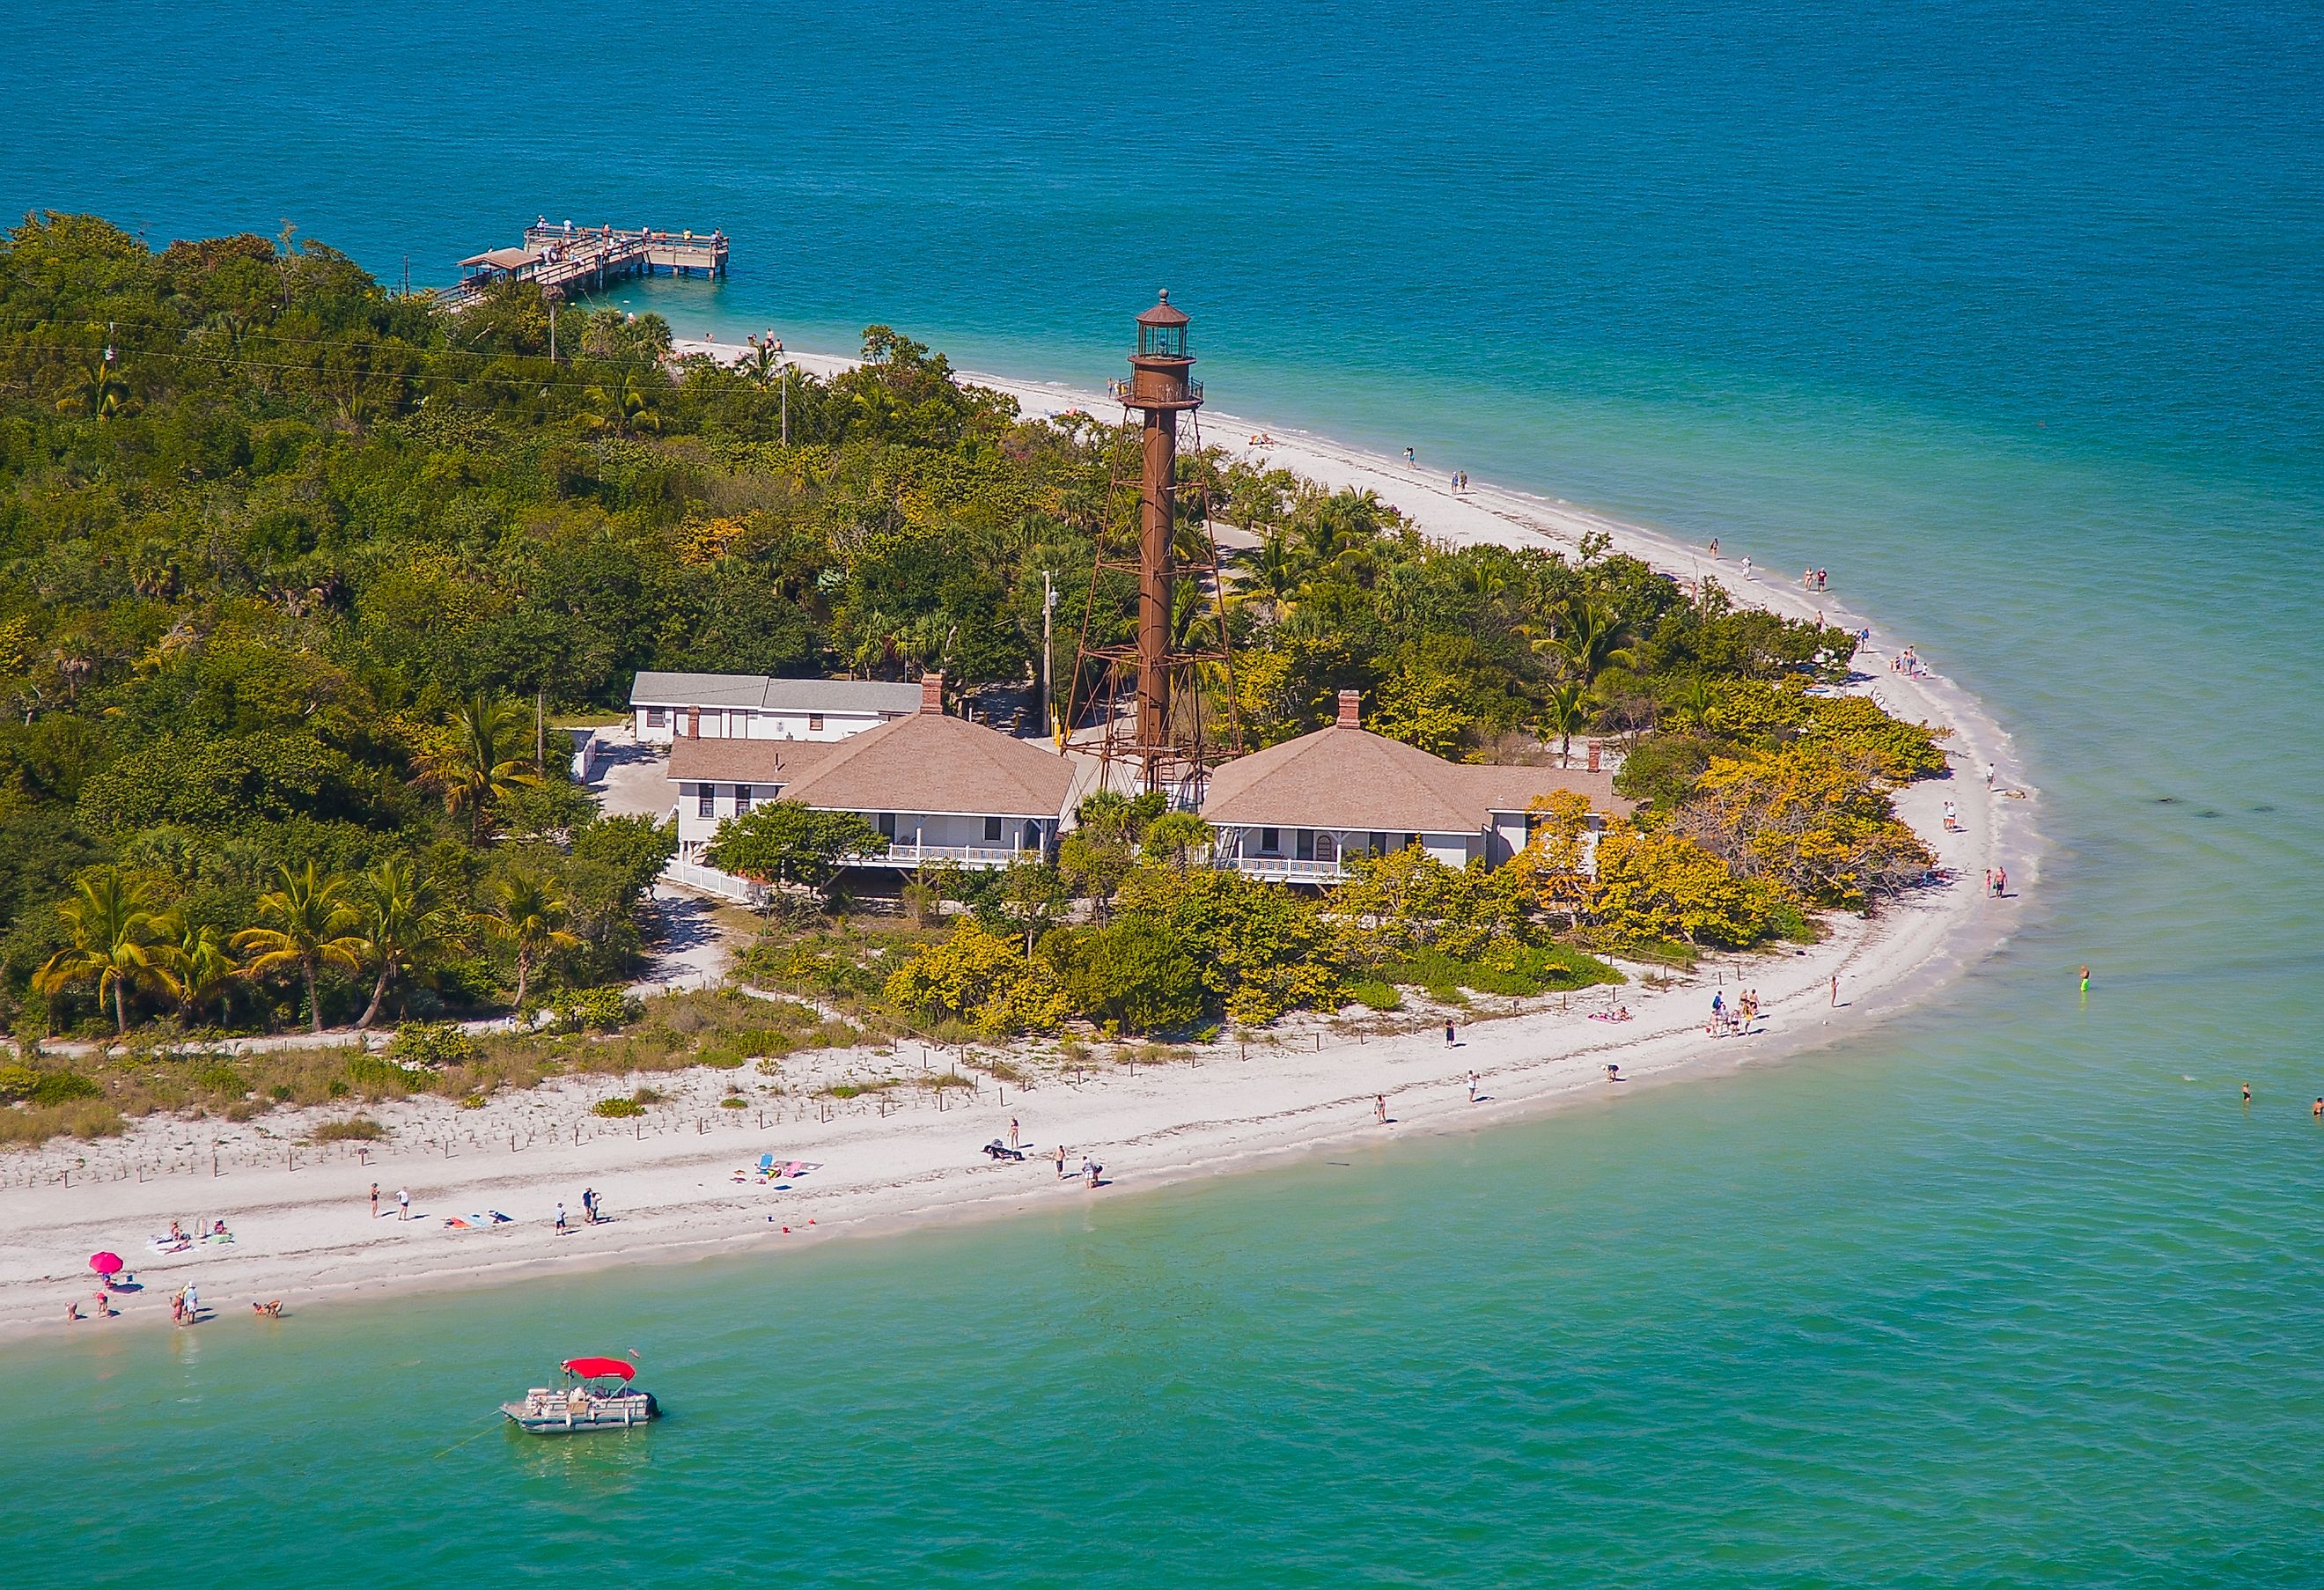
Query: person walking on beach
[1473,1081]
[375,1200]
[1989,770]
[1379,1108]
[1835,991]
[1714,548]
[403,1203]
[588,1206]
[1013,1138]
[1450,1041]
[561,1227]
[1061,1161]
[1747,566]
[1410,462]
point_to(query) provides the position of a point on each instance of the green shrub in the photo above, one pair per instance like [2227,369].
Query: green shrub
[219,1076]
[61,1087]
[356,1129]
[1373,994]
[734,1103]
[386,1076]
[17,1082]
[1509,969]
[598,1009]
[617,1109]
[432,1044]
[729,1050]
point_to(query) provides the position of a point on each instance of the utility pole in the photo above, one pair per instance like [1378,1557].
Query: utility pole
[1048,690]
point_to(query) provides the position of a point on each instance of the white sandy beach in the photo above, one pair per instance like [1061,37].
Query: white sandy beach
[303,1232]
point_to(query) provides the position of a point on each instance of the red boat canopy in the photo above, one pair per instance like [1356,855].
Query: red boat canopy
[590,1368]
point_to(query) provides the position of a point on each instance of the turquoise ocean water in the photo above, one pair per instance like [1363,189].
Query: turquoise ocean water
[2007,313]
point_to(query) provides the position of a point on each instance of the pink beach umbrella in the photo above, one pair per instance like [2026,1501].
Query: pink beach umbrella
[106,1264]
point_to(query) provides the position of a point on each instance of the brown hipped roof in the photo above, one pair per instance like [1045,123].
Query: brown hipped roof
[1351,779]
[930,762]
[924,762]
[745,761]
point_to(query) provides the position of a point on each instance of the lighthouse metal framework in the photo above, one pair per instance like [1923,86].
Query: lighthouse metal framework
[1145,696]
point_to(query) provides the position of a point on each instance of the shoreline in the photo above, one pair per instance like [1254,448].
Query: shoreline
[303,1234]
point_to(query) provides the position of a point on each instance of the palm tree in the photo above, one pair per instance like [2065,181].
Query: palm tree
[485,761]
[1566,710]
[1273,574]
[309,925]
[100,393]
[1692,703]
[404,920]
[527,913]
[114,934]
[1590,640]
[627,407]
[764,367]
[195,964]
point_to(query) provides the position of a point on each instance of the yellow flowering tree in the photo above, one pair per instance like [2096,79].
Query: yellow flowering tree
[1816,826]
[982,978]
[1653,884]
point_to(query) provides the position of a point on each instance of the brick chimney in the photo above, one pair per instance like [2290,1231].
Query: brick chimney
[932,693]
[1351,709]
[1595,748]
[694,723]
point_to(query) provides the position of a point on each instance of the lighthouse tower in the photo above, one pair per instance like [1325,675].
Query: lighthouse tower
[1157,738]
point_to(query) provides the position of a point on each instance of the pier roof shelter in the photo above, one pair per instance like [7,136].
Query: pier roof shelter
[502,262]
[940,788]
[1293,811]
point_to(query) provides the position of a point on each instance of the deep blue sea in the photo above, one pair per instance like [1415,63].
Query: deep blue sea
[2010,314]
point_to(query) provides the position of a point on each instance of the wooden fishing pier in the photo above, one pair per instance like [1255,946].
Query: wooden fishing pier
[567,261]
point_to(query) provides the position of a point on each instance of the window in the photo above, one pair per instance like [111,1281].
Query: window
[742,798]
[657,717]
[1270,842]
[992,831]
[1379,843]
[1031,837]
[1410,840]
[886,823]
[813,722]
[1306,844]
[706,801]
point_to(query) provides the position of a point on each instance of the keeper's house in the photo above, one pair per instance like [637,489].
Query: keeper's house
[752,706]
[1293,812]
[940,789]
